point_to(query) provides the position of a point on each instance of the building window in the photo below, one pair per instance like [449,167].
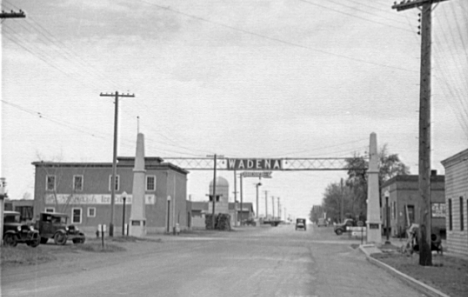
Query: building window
[117,182]
[462,220]
[50,182]
[150,183]
[450,214]
[92,212]
[49,209]
[78,182]
[411,215]
[76,215]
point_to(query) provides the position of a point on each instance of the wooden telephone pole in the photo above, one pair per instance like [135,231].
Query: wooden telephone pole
[425,255]
[114,159]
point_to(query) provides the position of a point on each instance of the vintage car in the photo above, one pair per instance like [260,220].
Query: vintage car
[301,224]
[341,228]
[15,232]
[54,225]
[322,222]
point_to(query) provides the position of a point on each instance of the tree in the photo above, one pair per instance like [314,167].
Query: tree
[355,192]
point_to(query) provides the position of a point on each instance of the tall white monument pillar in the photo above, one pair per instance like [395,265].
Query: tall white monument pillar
[137,215]
[374,232]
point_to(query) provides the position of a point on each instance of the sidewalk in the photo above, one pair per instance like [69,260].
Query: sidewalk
[371,249]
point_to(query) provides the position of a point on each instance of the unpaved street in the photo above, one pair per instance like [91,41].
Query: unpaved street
[248,262]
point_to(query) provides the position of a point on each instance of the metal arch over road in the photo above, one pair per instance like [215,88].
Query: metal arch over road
[262,164]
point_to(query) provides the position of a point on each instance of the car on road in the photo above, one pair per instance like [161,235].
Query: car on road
[54,225]
[322,222]
[15,232]
[301,224]
[341,228]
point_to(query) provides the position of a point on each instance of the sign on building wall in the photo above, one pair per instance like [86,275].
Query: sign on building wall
[254,164]
[438,210]
[93,199]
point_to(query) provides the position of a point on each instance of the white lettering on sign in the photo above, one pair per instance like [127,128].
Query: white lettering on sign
[254,164]
[93,199]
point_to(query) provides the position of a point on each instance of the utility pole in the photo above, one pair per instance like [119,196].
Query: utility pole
[425,255]
[266,205]
[279,209]
[342,203]
[241,197]
[273,207]
[257,209]
[235,198]
[4,15]
[116,95]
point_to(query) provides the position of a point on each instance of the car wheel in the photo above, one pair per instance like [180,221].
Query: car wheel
[60,238]
[10,240]
[44,240]
[78,240]
[338,232]
[34,243]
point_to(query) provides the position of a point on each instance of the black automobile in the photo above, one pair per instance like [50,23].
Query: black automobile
[15,232]
[301,224]
[54,225]
[341,228]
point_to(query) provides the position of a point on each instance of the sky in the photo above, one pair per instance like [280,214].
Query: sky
[238,78]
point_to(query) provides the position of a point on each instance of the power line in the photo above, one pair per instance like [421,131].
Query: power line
[352,15]
[272,38]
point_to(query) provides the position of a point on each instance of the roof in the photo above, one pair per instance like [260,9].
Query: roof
[58,214]
[150,163]
[461,156]
[411,178]
[246,206]
[220,182]
[10,212]
[198,205]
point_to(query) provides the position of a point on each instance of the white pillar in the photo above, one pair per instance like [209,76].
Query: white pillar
[137,217]
[374,231]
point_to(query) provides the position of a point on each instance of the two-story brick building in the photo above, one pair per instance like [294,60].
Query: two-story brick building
[83,191]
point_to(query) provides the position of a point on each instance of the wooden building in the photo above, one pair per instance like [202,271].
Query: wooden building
[456,197]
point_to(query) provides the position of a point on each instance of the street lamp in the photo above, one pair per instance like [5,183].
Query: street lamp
[256,210]
[124,197]
[387,217]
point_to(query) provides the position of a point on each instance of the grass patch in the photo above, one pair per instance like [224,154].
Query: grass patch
[24,255]
[447,274]
[96,246]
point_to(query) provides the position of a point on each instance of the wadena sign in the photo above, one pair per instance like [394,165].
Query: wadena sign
[254,164]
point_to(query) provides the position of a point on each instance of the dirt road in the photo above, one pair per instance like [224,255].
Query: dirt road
[248,262]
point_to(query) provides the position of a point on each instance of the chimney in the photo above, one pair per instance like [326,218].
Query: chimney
[433,173]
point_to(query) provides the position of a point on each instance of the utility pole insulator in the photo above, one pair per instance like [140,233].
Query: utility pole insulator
[12,14]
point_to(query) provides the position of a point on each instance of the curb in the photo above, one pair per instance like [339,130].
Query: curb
[418,285]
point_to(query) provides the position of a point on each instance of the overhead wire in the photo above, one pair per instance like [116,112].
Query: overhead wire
[274,39]
[353,15]
[33,26]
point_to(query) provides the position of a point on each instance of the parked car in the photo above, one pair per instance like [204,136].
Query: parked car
[15,232]
[322,222]
[301,224]
[340,228]
[54,225]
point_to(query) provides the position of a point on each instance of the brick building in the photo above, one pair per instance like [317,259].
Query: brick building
[456,195]
[404,203]
[83,191]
